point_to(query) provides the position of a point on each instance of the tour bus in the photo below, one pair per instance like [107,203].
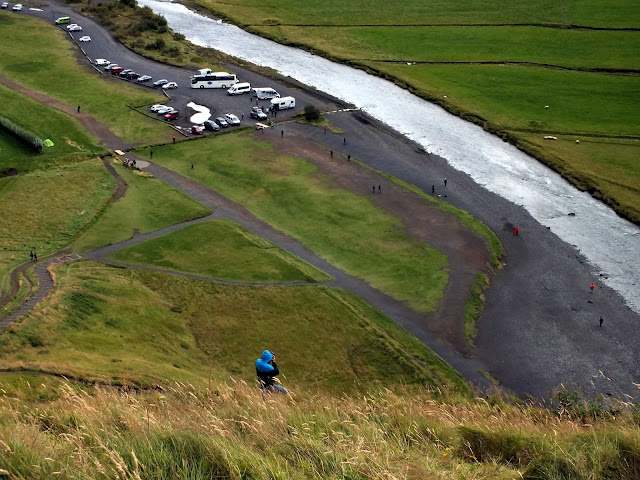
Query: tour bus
[283,103]
[265,93]
[240,88]
[62,20]
[213,80]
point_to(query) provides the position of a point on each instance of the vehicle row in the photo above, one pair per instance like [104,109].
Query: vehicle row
[129,74]
[17,7]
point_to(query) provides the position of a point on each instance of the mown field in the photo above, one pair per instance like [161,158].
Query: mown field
[222,250]
[50,66]
[344,228]
[121,326]
[498,64]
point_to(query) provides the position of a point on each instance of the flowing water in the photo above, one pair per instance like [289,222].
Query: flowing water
[610,243]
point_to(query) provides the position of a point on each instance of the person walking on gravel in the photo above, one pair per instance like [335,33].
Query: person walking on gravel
[601,320]
[592,287]
[35,257]
[445,181]
[267,370]
[31,255]
[78,108]
[433,189]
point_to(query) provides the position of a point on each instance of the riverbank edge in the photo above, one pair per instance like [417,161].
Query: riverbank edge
[580,181]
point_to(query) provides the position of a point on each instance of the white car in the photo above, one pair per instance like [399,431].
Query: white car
[17,6]
[86,38]
[156,107]
[102,61]
[232,119]
[164,110]
[74,27]
[5,5]
[170,85]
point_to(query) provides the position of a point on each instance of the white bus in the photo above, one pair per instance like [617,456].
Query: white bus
[213,80]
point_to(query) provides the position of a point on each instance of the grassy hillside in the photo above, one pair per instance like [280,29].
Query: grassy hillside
[123,326]
[496,64]
[149,204]
[56,429]
[51,56]
[222,250]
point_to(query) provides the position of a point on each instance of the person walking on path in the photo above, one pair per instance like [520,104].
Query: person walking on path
[344,141]
[373,189]
[517,231]
[601,320]
[331,152]
[433,189]
[35,257]
[151,154]
[267,370]
[349,158]
[174,140]
[379,188]
[325,130]
[78,108]
[31,255]
[445,181]
[242,117]
[592,287]
[282,133]
[514,231]
[191,165]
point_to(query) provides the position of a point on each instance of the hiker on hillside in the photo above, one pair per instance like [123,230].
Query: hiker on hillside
[35,257]
[267,370]
[31,255]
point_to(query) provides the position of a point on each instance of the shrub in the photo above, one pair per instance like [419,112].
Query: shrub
[157,45]
[311,113]
[172,51]
[21,133]
[178,36]
[128,3]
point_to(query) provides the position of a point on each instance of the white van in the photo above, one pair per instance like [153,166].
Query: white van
[240,88]
[283,103]
[265,93]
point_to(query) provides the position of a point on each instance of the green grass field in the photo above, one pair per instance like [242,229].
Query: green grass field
[380,36]
[71,141]
[149,204]
[345,228]
[122,325]
[46,209]
[50,65]
[222,250]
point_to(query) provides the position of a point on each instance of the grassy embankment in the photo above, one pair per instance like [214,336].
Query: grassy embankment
[345,228]
[222,250]
[588,77]
[50,66]
[116,325]
[148,205]
[53,429]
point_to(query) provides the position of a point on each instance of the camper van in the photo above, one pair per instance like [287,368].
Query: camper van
[204,71]
[240,88]
[265,93]
[283,103]
[62,20]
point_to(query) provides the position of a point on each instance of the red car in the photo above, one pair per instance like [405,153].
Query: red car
[197,129]
[117,70]
[171,116]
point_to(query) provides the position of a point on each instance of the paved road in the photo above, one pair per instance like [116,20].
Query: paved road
[540,326]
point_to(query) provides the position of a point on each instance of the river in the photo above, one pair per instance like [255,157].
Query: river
[610,243]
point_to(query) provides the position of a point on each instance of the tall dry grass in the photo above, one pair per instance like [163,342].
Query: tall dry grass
[232,431]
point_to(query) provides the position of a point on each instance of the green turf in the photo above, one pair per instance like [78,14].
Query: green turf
[50,65]
[70,139]
[344,228]
[46,209]
[383,37]
[120,325]
[149,204]
[222,250]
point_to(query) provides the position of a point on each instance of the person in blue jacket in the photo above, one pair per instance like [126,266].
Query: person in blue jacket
[267,370]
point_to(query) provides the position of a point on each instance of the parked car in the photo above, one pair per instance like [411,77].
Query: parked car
[132,75]
[102,62]
[197,129]
[159,83]
[124,72]
[222,122]
[232,119]
[116,70]
[170,85]
[171,116]
[86,38]
[164,110]
[111,66]
[256,112]
[74,27]
[143,78]
[156,107]
[209,125]
[5,5]
[17,7]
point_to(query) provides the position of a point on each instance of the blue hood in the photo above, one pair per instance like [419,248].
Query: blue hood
[262,364]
